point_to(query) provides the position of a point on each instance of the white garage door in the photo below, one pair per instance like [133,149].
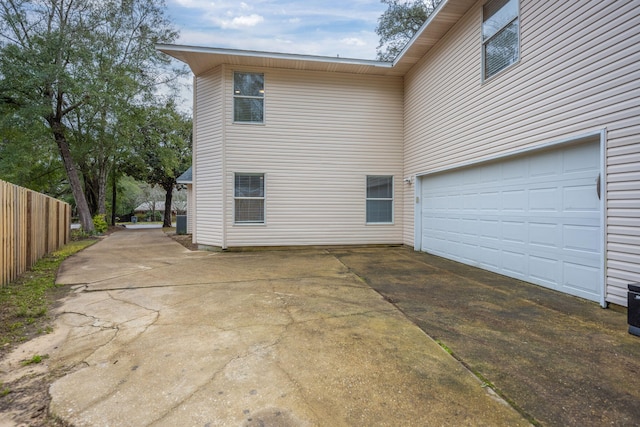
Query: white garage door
[534,217]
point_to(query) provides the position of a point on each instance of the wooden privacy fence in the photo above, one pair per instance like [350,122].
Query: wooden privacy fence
[31,226]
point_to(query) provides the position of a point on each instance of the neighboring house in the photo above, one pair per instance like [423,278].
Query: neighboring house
[147,207]
[186,179]
[506,135]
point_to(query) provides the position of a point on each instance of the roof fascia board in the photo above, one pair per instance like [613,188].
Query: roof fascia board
[272,55]
[422,29]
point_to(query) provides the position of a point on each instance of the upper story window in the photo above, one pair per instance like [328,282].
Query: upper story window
[248,97]
[500,35]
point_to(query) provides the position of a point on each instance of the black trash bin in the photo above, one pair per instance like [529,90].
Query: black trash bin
[633,309]
[181,224]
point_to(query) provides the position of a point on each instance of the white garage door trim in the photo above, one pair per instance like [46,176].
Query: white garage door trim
[596,295]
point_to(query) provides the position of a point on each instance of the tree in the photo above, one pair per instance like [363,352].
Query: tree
[77,67]
[164,151]
[28,159]
[149,195]
[399,23]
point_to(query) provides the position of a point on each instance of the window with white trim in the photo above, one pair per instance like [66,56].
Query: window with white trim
[249,198]
[379,199]
[500,36]
[248,97]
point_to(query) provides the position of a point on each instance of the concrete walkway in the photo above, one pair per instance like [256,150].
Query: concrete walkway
[156,335]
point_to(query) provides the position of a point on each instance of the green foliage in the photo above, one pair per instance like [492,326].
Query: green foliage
[80,234]
[399,23]
[72,75]
[128,195]
[35,359]
[164,151]
[24,302]
[100,223]
[153,216]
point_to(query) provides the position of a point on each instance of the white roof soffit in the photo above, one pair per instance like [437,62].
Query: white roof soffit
[202,59]
[445,16]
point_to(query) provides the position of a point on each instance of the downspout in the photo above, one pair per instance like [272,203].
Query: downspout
[223,73]
[194,171]
[603,217]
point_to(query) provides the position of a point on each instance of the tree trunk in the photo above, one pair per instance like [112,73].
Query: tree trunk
[72,174]
[90,191]
[168,200]
[114,194]
[102,189]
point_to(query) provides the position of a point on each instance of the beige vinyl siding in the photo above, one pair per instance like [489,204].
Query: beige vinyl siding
[323,134]
[208,159]
[578,74]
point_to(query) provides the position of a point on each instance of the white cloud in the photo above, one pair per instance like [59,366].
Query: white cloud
[353,41]
[310,27]
[195,4]
[243,21]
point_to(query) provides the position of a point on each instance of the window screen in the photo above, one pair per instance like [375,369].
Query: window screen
[500,35]
[379,199]
[248,97]
[249,198]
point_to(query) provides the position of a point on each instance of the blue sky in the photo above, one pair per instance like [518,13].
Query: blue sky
[310,27]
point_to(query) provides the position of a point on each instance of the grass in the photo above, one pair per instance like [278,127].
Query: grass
[25,302]
[35,359]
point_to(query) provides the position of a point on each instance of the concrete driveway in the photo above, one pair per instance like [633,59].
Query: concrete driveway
[561,360]
[157,335]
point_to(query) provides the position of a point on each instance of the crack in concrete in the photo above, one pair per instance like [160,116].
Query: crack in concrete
[254,350]
[231,282]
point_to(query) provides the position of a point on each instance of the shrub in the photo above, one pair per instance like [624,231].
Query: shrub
[100,224]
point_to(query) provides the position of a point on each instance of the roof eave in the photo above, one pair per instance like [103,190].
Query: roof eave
[443,18]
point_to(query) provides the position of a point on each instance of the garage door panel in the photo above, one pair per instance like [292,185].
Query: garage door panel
[514,231]
[543,235]
[544,165]
[515,170]
[544,199]
[536,218]
[581,159]
[582,238]
[514,200]
[469,227]
[545,271]
[579,198]
[515,264]
[581,278]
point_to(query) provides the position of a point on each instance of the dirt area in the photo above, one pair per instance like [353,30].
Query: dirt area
[24,387]
[184,240]
[24,397]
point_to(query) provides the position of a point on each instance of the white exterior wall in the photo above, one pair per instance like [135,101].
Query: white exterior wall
[207,159]
[323,133]
[579,73]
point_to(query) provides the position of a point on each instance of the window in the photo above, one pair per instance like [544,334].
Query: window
[249,198]
[379,199]
[500,36]
[248,98]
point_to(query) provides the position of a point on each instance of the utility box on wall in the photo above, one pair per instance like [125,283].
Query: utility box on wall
[633,309]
